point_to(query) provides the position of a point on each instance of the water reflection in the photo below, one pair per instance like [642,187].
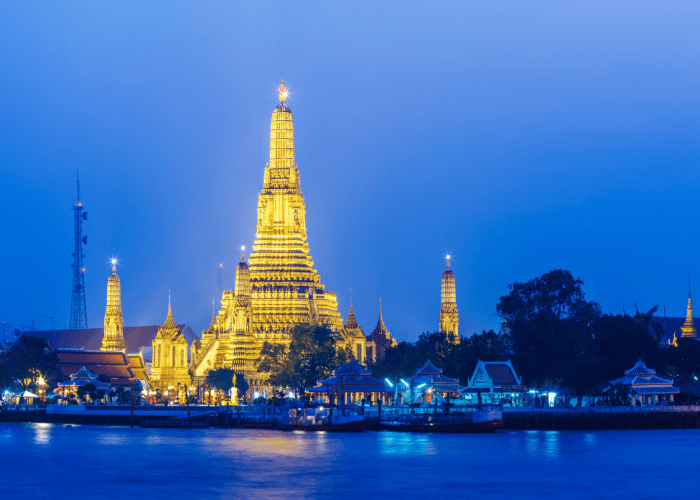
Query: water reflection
[590,439]
[400,443]
[542,443]
[42,433]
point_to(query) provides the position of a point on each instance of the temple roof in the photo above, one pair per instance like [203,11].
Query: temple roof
[499,373]
[90,339]
[381,330]
[351,368]
[351,383]
[113,364]
[351,323]
[429,369]
[640,369]
[169,322]
[83,373]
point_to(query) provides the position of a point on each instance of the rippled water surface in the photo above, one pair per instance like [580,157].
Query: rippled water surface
[71,461]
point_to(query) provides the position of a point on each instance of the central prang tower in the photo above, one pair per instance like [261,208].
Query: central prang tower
[285,288]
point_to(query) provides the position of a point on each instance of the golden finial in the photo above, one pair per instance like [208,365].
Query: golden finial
[243,253]
[282,92]
[448,257]
[114,265]
[170,313]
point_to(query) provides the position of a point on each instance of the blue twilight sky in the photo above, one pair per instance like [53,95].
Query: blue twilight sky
[519,137]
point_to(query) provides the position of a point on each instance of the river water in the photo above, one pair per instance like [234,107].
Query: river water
[74,461]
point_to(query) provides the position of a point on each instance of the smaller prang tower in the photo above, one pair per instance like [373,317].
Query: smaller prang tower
[688,328]
[78,311]
[113,339]
[449,318]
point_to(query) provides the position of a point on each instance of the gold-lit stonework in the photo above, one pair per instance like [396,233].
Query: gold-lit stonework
[688,327]
[285,288]
[169,366]
[113,339]
[278,288]
[449,318]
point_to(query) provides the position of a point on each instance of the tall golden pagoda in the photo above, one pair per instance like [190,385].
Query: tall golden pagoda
[113,339]
[285,288]
[279,287]
[449,318]
[688,327]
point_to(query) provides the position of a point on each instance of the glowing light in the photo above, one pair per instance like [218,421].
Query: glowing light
[221,265]
[389,382]
[114,261]
[402,380]
[243,248]
[82,270]
[448,256]
[422,385]
[283,92]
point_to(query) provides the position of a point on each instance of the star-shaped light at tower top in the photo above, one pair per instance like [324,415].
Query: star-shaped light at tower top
[283,92]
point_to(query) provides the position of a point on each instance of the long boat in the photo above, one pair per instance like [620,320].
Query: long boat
[484,419]
[335,419]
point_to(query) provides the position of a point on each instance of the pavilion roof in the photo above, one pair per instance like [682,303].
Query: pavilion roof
[113,364]
[428,369]
[362,383]
[351,368]
[640,369]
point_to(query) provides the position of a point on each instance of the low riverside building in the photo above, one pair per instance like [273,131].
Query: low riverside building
[113,364]
[350,384]
[80,379]
[646,387]
[494,382]
[428,383]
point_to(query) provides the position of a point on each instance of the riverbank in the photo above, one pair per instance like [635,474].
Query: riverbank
[593,418]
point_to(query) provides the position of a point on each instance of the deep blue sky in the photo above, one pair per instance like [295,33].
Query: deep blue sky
[519,137]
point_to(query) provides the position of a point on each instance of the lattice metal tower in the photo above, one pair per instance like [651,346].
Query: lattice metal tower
[78,312]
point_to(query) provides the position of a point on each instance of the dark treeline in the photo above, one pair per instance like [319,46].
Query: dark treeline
[554,337]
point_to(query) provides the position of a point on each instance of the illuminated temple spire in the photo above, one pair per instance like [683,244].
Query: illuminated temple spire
[351,323]
[449,317]
[285,288]
[169,321]
[113,339]
[381,336]
[688,327]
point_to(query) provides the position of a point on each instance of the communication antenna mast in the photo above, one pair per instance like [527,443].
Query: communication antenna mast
[78,312]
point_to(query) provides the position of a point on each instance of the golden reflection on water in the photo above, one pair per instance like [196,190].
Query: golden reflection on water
[270,443]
